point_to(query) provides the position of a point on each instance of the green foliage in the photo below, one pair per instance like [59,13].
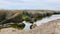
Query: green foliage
[25,16]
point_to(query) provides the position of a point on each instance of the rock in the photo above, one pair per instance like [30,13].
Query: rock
[33,26]
[18,26]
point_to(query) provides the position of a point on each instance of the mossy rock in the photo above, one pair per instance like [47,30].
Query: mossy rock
[18,26]
[25,17]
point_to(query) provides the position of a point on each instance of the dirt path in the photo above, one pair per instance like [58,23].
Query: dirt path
[52,27]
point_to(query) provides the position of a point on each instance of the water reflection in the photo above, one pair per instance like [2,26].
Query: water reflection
[39,22]
[47,19]
[27,25]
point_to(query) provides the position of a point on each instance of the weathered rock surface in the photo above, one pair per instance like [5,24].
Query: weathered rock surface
[17,16]
[52,27]
[47,28]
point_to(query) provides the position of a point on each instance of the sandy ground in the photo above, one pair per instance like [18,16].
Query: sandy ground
[52,27]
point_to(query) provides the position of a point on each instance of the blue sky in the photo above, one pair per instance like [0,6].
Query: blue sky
[30,4]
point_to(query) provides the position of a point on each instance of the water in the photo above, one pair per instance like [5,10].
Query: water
[39,22]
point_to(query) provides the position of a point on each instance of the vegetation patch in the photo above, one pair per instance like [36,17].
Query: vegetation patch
[20,27]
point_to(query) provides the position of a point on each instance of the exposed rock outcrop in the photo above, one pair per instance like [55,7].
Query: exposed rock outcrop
[52,27]
[15,17]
